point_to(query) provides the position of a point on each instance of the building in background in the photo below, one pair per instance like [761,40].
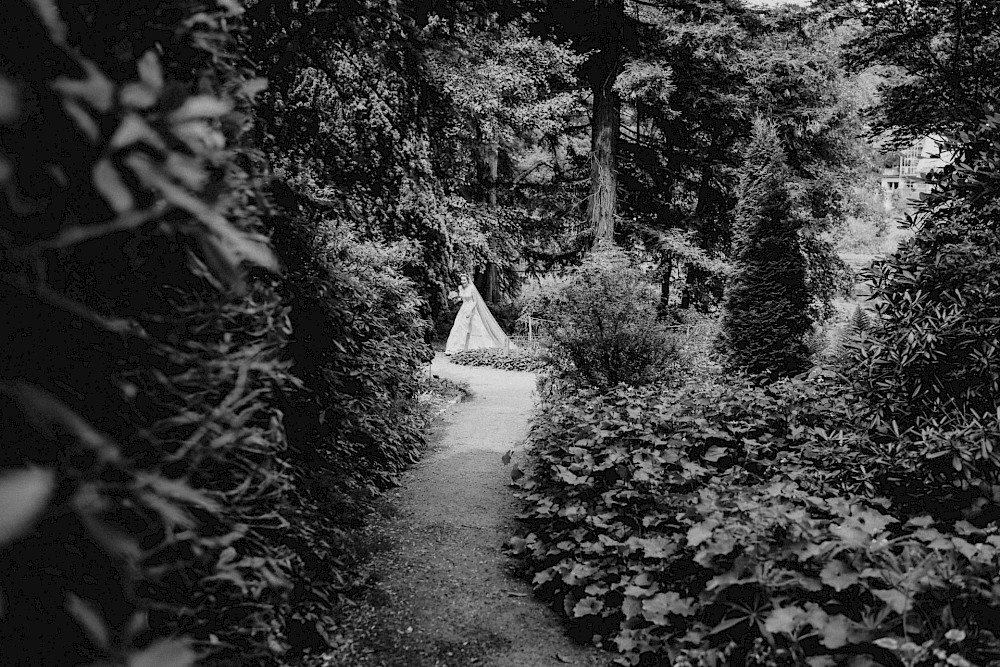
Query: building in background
[908,178]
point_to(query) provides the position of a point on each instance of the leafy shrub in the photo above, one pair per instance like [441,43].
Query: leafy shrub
[141,450]
[927,367]
[603,324]
[507,360]
[360,353]
[937,298]
[722,524]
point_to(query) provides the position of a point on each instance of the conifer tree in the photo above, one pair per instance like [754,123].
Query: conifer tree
[766,319]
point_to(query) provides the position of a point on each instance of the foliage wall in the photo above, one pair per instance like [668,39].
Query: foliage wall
[141,448]
[358,348]
[363,113]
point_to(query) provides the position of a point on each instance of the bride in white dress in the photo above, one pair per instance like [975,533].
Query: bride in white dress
[475,327]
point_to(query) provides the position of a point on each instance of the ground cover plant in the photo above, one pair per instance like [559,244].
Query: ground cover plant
[507,360]
[729,523]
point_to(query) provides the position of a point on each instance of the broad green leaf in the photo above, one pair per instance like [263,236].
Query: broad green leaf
[187,170]
[625,641]
[234,7]
[965,548]
[96,89]
[83,120]
[200,136]
[631,606]
[714,453]
[920,521]
[24,495]
[164,653]
[171,514]
[656,609]
[784,619]
[701,532]
[199,107]
[253,87]
[835,631]
[579,573]
[133,129]
[873,522]
[896,600]
[150,72]
[657,547]
[225,246]
[135,95]
[588,606]
[109,183]
[88,615]
[566,475]
[851,534]
[838,576]
[48,12]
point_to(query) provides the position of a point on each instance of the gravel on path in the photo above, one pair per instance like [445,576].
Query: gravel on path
[445,595]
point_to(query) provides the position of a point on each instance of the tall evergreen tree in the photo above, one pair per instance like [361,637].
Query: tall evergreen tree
[767,318]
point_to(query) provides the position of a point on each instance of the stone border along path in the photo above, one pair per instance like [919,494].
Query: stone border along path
[445,595]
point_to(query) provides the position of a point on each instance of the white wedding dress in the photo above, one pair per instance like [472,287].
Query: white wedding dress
[475,327]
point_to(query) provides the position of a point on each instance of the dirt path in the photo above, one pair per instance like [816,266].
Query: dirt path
[445,596]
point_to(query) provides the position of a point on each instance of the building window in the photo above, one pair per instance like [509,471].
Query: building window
[909,159]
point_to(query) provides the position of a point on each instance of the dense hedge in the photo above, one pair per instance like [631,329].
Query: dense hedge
[155,512]
[140,467]
[358,348]
[736,524]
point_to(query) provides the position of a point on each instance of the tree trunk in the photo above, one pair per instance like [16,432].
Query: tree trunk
[489,295]
[487,160]
[667,265]
[604,68]
[557,168]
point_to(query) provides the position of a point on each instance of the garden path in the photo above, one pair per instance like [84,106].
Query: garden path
[445,595]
